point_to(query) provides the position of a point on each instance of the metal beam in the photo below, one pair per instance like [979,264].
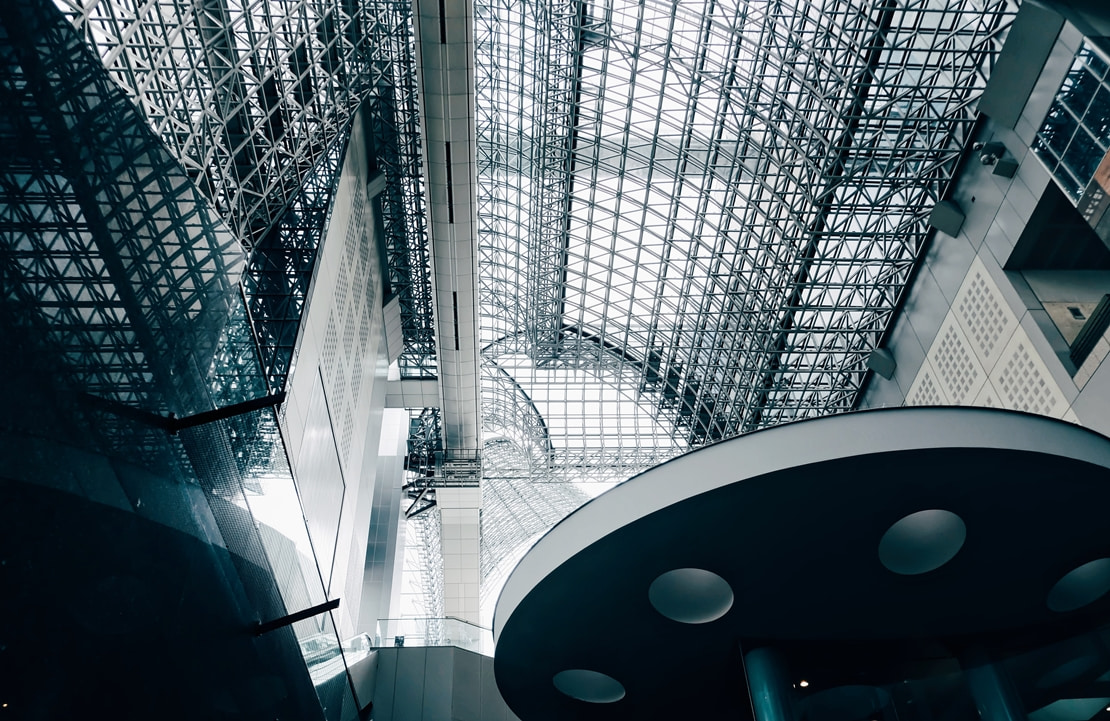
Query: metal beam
[445,73]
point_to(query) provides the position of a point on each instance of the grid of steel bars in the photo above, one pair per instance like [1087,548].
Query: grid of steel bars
[714,206]
[255,100]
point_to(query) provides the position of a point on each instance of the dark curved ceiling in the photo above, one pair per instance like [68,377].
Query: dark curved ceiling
[797,538]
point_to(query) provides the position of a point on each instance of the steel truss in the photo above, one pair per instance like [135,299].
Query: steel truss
[109,253]
[249,96]
[277,278]
[726,212]
[515,514]
[394,127]
[255,100]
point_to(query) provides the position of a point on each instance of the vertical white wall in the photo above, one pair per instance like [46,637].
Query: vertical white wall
[460,521]
[385,539]
[336,391]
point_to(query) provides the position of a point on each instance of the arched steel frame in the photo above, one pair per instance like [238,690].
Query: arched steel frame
[726,199]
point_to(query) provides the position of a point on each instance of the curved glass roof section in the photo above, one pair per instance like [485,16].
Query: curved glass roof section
[705,212]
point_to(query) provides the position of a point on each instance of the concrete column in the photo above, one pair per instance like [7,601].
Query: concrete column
[769,685]
[459,519]
[994,695]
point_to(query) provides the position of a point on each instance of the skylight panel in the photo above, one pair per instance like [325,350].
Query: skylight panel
[695,163]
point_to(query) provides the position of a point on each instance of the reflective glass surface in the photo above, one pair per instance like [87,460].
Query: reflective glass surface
[1075,134]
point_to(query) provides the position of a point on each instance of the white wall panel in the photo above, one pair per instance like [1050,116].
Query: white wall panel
[926,389]
[959,373]
[983,314]
[1023,382]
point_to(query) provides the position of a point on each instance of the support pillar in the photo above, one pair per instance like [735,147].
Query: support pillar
[994,695]
[459,531]
[769,685]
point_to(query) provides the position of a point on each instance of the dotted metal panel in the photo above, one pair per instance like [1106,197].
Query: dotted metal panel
[1023,382]
[984,315]
[926,390]
[957,368]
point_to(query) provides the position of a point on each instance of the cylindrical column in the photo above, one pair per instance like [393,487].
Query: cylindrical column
[769,685]
[994,695]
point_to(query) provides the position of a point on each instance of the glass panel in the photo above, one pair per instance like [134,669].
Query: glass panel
[1077,127]
[1083,155]
[1097,119]
[688,246]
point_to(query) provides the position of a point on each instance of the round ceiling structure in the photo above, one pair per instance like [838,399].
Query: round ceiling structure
[972,513]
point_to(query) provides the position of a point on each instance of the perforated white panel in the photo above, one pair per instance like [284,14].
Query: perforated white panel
[958,372]
[347,346]
[984,315]
[987,397]
[926,391]
[1022,381]
[982,357]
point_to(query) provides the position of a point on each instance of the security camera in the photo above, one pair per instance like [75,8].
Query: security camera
[989,153]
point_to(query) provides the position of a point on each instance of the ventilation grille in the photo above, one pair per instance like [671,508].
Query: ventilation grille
[984,315]
[925,390]
[1022,380]
[957,369]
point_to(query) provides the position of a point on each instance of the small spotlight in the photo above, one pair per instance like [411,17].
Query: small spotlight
[803,683]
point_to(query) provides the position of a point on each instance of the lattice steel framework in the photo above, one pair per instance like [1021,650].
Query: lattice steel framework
[515,514]
[248,95]
[714,206]
[255,99]
[394,126]
[107,248]
[277,279]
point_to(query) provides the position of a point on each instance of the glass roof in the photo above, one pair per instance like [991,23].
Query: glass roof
[698,217]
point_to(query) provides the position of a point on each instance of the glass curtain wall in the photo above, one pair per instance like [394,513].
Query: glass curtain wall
[697,217]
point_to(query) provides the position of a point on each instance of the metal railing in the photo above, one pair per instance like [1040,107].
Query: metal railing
[424,632]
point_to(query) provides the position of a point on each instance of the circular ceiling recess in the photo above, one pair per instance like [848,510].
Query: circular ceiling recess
[590,686]
[691,595]
[1080,586]
[922,542]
